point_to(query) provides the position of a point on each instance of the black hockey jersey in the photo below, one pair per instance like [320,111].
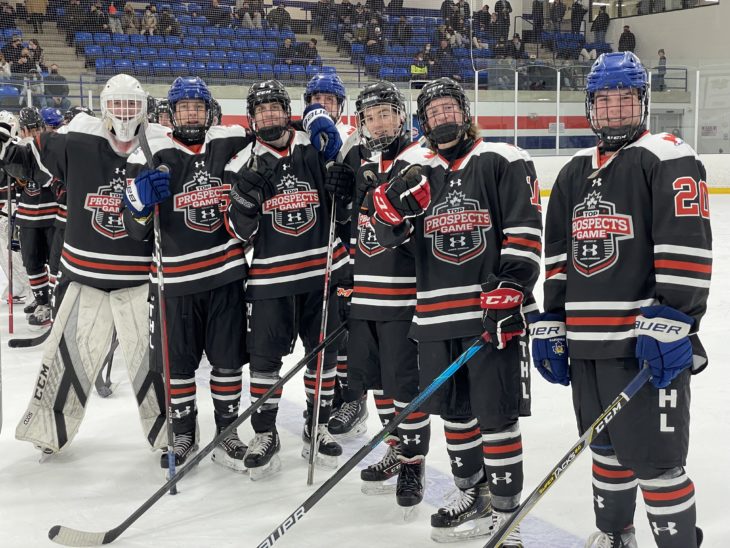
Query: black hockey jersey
[636,234]
[384,280]
[484,218]
[36,205]
[198,253]
[290,235]
[97,250]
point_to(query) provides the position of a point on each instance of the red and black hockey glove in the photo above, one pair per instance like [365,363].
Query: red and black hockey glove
[407,195]
[502,304]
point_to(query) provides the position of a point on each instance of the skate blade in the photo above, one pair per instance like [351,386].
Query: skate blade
[221,458]
[46,455]
[377,487]
[357,430]
[410,513]
[266,471]
[481,527]
[323,461]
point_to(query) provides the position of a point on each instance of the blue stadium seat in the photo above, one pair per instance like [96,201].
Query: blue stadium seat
[272,34]
[92,51]
[281,72]
[215,69]
[201,54]
[200,20]
[388,60]
[137,40]
[160,67]
[195,30]
[255,45]
[297,72]
[211,31]
[142,67]
[243,34]
[223,43]
[178,68]
[372,61]
[228,33]
[156,40]
[185,20]
[167,54]
[411,51]
[120,39]
[265,71]
[269,45]
[251,57]
[267,57]
[239,44]
[197,68]
[312,70]
[249,71]
[218,55]
[83,38]
[258,34]
[148,53]
[104,66]
[207,42]
[130,52]
[287,34]
[328,70]
[171,41]
[115,52]
[396,50]
[232,70]
[192,7]
[402,74]
[386,73]
[190,42]
[234,56]
[179,9]
[102,38]
[122,65]
[357,52]
[185,54]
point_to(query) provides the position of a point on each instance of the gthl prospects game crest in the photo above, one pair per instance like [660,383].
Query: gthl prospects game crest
[105,205]
[293,208]
[203,201]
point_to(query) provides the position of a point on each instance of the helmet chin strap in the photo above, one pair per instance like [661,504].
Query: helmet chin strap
[445,133]
[613,139]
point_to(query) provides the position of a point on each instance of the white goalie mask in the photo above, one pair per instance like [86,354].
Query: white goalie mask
[123,106]
[10,122]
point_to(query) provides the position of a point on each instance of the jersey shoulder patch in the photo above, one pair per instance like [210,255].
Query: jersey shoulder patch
[509,152]
[240,159]
[222,132]
[665,146]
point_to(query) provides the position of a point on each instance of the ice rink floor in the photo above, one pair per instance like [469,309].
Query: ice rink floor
[107,472]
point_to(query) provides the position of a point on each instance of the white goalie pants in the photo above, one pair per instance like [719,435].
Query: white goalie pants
[73,355]
[21,287]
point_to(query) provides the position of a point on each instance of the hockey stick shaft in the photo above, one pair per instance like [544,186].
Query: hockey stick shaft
[313,442]
[27,343]
[74,537]
[585,441]
[10,256]
[162,311]
[343,470]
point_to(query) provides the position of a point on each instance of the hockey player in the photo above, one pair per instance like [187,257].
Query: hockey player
[35,217]
[106,271]
[471,211]
[381,356]
[52,117]
[324,97]
[280,208]
[203,266]
[628,263]
[71,113]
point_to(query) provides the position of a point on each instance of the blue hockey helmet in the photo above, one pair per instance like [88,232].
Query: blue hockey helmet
[189,87]
[617,71]
[52,117]
[326,83]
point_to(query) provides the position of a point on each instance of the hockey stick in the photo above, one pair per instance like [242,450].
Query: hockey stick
[10,256]
[75,537]
[104,385]
[162,312]
[313,428]
[31,341]
[342,471]
[585,440]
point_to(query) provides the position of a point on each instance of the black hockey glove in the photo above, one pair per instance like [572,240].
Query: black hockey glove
[340,181]
[502,305]
[249,192]
[407,195]
[344,297]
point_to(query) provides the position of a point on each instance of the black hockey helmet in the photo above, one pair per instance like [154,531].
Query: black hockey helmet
[217,111]
[268,91]
[379,93]
[444,133]
[152,116]
[71,113]
[30,118]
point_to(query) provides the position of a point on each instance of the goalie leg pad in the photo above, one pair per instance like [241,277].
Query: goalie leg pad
[72,358]
[130,311]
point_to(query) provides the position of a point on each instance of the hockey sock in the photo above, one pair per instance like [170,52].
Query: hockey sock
[414,432]
[264,420]
[386,411]
[464,446]
[670,507]
[503,464]
[326,390]
[184,409]
[614,492]
[225,387]
[341,374]
[39,286]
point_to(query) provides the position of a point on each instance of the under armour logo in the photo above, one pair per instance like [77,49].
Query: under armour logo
[457,241]
[507,478]
[599,501]
[232,408]
[207,213]
[590,249]
[199,164]
[119,170]
[325,403]
[455,183]
[180,414]
[670,528]
[284,167]
[294,216]
[414,439]
[115,221]
[371,237]
[597,182]
[456,461]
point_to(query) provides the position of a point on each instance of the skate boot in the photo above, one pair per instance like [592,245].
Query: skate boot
[350,419]
[41,317]
[185,447]
[470,512]
[374,476]
[328,449]
[514,539]
[261,457]
[617,539]
[30,308]
[411,480]
[230,452]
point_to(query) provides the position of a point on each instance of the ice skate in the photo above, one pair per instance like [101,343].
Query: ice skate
[514,539]
[262,459]
[409,489]
[328,449]
[468,516]
[30,308]
[46,454]
[618,539]
[374,476]
[350,420]
[185,447]
[41,317]
[230,452]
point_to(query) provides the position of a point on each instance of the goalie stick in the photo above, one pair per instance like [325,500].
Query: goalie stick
[75,537]
[31,341]
[569,458]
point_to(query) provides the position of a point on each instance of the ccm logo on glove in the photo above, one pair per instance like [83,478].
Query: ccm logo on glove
[503,297]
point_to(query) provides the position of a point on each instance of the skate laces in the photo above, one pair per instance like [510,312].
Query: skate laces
[601,539]
[261,443]
[347,411]
[183,442]
[410,474]
[390,458]
[323,435]
[232,441]
[461,501]
[498,518]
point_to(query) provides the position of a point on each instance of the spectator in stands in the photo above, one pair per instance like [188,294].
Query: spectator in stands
[74,20]
[360,15]
[33,81]
[419,69]
[375,6]
[36,13]
[321,14]
[7,16]
[600,25]
[13,49]
[395,8]
[403,32]
[167,25]
[97,20]
[515,48]
[501,49]
[661,71]
[219,16]
[445,63]
[429,57]
[250,15]
[56,90]
[503,8]
[587,56]
[627,40]
[483,20]
[130,21]
[447,10]
[538,19]
[22,65]
[455,38]
[557,14]
[495,28]
[115,19]
[461,11]
[577,13]
[477,43]
[279,18]
[308,54]
[286,53]
[4,67]
[376,43]
[36,55]
[149,21]
[346,10]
